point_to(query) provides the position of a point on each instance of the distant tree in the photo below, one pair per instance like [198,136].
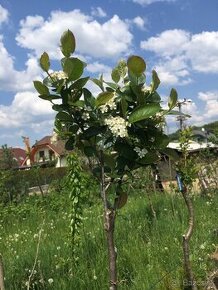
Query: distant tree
[7,160]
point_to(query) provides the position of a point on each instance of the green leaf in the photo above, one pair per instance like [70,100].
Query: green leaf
[115,75]
[70,144]
[99,83]
[112,85]
[44,62]
[73,67]
[63,116]
[93,131]
[155,81]
[136,64]
[49,97]
[89,151]
[149,158]
[89,99]
[176,113]
[103,98]
[171,153]
[124,106]
[144,112]
[79,84]
[110,160]
[68,43]
[121,200]
[125,150]
[41,88]
[172,102]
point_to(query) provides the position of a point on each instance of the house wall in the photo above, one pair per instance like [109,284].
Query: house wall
[61,161]
[46,150]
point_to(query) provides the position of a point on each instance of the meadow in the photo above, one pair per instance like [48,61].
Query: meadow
[36,248]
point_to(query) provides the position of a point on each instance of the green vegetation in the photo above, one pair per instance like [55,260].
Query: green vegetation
[150,253]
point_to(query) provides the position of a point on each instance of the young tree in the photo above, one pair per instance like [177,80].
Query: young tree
[187,172]
[7,160]
[121,128]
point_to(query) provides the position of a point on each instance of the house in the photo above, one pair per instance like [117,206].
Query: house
[207,173]
[18,157]
[48,149]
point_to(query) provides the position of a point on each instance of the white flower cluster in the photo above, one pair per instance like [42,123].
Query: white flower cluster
[58,75]
[85,116]
[141,152]
[110,105]
[117,125]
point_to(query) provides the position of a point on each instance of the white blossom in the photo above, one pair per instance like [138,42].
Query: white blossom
[50,281]
[110,105]
[85,116]
[141,152]
[118,126]
[58,75]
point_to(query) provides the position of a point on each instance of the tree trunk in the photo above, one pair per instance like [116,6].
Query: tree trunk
[109,226]
[2,287]
[189,283]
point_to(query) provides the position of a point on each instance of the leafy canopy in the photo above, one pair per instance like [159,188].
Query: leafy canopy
[124,122]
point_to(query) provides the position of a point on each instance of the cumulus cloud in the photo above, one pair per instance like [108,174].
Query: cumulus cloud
[178,52]
[13,80]
[98,12]
[3,15]
[108,39]
[25,109]
[148,2]
[96,67]
[139,22]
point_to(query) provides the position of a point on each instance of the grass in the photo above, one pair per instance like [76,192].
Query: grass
[149,249]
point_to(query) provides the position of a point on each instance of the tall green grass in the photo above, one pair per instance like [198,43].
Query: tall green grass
[149,250]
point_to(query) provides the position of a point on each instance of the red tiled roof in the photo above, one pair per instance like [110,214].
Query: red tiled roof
[18,153]
[57,146]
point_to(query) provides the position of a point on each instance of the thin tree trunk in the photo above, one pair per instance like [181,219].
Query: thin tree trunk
[109,225]
[190,283]
[2,286]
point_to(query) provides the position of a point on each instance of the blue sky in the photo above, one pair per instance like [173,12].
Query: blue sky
[178,38]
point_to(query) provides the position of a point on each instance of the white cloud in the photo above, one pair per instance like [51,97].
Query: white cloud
[208,96]
[139,22]
[168,43]
[93,38]
[98,12]
[25,109]
[178,52]
[3,15]
[148,2]
[96,67]
[202,51]
[13,80]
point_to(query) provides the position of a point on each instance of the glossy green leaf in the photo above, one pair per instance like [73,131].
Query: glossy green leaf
[88,98]
[73,67]
[49,97]
[136,64]
[79,84]
[155,81]
[89,151]
[63,116]
[44,62]
[41,88]
[121,200]
[176,113]
[144,112]
[115,75]
[150,157]
[70,144]
[171,153]
[103,98]
[68,43]
[99,83]
[173,98]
